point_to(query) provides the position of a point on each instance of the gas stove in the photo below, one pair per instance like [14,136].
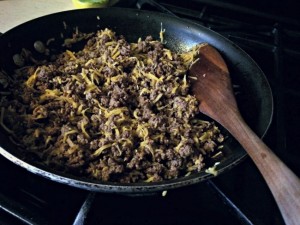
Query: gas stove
[270,34]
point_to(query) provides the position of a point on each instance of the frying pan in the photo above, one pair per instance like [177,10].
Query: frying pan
[255,100]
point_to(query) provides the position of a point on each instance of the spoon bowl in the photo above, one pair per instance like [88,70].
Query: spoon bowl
[211,85]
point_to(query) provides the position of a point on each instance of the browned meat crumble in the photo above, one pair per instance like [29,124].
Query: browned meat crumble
[113,111]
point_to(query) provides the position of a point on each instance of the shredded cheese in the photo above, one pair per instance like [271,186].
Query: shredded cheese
[213,170]
[71,54]
[101,149]
[32,79]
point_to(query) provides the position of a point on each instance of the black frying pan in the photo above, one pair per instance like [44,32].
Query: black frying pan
[255,100]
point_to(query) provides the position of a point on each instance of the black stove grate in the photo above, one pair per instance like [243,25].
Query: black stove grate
[239,197]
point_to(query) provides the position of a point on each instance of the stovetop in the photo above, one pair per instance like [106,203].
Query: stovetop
[270,35]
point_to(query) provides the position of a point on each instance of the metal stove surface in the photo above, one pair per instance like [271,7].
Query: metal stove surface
[239,196]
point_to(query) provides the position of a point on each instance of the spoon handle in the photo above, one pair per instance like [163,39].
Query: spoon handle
[283,183]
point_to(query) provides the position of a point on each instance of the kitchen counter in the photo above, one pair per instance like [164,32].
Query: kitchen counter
[15,12]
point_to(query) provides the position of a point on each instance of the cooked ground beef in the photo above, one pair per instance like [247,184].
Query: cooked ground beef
[113,111]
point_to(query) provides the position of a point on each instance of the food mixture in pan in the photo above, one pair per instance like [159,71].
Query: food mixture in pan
[113,111]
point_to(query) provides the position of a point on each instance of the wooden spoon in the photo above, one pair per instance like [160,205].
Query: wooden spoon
[211,85]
